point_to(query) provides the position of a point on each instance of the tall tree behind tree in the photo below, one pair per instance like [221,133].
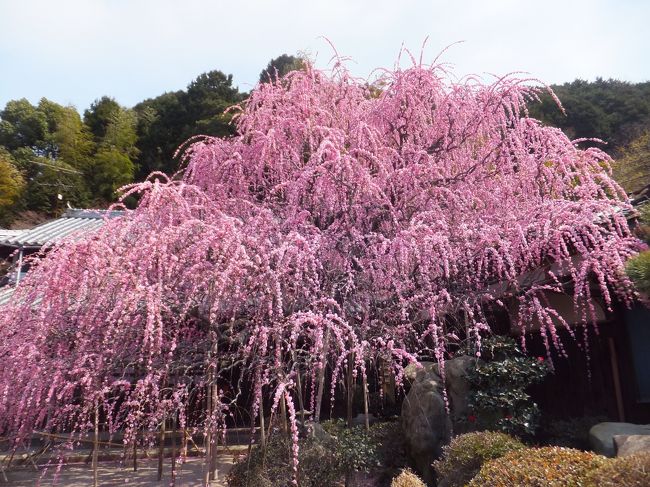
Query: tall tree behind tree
[612,110]
[100,114]
[632,168]
[11,185]
[165,122]
[280,66]
[22,125]
[51,148]
[113,164]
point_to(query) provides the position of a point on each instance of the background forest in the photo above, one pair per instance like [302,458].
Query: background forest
[51,156]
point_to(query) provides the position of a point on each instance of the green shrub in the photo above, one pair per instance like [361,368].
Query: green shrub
[498,399]
[407,479]
[630,471]
[465,455]
[355,449]
[539,467]
[381,449]
[638,268]
[272,468]
[324,460]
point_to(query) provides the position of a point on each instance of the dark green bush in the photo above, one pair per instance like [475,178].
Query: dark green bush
[326,458]
[498,399]
[465,455]
[318,465]
[539,467]
[630,471]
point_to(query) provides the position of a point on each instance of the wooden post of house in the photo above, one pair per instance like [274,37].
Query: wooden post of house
[617,379]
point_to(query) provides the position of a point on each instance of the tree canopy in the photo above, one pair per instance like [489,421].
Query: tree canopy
[340,226]
[280,66]
[615,111]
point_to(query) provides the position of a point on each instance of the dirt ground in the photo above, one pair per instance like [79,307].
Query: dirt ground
[113,474]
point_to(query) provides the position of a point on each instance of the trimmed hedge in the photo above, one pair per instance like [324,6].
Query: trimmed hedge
[465,455]
[539,467]
[630,471]
[407,479]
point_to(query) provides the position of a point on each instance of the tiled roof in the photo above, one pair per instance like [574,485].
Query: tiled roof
[5,294]
[72,222]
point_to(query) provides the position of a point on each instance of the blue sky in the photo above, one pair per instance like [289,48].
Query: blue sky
[74,51]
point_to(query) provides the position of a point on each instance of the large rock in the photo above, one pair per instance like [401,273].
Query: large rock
[631,444]
[420,370]
[601,436]
[426,424]
[458,388]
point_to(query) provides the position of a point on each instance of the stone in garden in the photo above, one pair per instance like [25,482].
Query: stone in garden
[458,388]
[629,444]
[314,430]
[601,436]
[360,419]
[420,369]
[426,424]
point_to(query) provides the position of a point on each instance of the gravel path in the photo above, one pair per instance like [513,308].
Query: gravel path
[112,474]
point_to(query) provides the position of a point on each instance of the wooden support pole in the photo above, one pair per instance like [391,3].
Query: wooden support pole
[207,441]
[96,449]
[173,438]
[161,450]
[135,453]
[617,380]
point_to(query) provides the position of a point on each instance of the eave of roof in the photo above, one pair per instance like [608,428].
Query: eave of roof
[72,222]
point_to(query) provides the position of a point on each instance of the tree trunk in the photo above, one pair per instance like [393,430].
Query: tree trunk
[211,440]
[262,425]
[283,414]
[214,474]
[301,404]
[350,387]
[321,377]
[365,400]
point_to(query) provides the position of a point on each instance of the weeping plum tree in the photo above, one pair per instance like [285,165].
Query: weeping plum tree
[344,224]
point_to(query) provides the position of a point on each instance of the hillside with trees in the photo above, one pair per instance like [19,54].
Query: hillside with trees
[51,156]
